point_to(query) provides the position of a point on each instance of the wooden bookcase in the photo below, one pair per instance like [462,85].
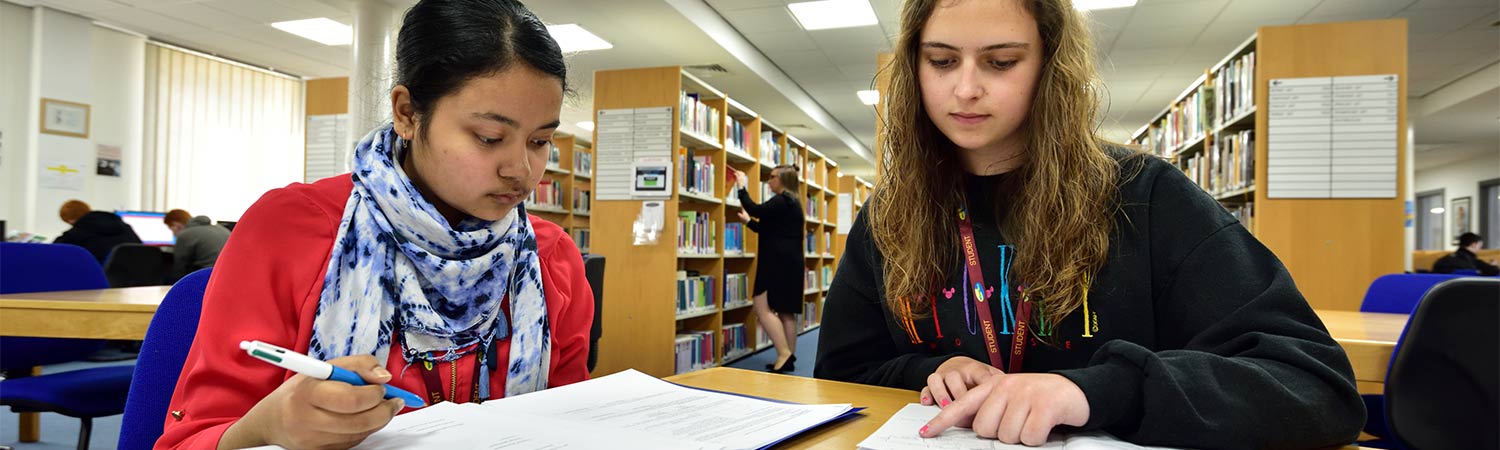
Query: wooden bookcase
[572,211]
[640,318]
[1334,247]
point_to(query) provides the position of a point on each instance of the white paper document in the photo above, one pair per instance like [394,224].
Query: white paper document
[627,410]
[900,433]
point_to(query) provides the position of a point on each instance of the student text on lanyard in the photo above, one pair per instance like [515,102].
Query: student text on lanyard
[484,363]
[975,282]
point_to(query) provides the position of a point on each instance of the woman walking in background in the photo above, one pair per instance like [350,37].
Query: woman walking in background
[778,279]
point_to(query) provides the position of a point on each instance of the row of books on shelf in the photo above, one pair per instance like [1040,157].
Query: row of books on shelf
[810,280]
[582,199]
[809,316]
[1234,88]
[810,242]
[554,156]
[770,148]
[827,276]
[581,237]
[583,163]
[1227,94]
[1227,164]
[779,154]
[695,350]
[695,172]
[1245,213]
[696,233]
[813,206]
[695,292]
[828,242]
[736,339]
[548,193]
[698,117]
[1187,120]
[739,137]
[734,237]
[736,288]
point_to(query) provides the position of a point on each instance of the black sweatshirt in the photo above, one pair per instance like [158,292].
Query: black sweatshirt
[1463,259]
[99,232]
[1197,335]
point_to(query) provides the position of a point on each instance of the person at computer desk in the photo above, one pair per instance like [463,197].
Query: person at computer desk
[198,242]
[95,231]
[1466,258]
[421,269]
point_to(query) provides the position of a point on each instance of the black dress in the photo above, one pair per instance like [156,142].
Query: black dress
[779,267]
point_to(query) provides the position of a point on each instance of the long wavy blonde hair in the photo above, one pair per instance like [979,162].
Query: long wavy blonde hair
[1060,221]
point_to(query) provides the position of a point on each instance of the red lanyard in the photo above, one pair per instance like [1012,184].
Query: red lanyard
[975,283]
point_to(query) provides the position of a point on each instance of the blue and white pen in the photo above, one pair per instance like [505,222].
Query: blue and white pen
[312,367]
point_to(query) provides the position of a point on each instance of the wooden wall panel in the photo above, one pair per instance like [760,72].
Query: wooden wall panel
[1333,247]
[639,281]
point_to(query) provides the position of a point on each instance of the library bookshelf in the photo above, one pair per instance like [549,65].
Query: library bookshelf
[1215,133]
[565,194]
[683,303]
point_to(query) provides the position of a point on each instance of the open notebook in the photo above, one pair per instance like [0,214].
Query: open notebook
[900,433]
[626,410]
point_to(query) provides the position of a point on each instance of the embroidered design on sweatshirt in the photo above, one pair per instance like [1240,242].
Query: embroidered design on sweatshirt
[903,318]
[1007,312]
[1090,320]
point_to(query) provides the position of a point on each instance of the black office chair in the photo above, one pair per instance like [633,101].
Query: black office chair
[593,269]
[130,265]
[1443,388]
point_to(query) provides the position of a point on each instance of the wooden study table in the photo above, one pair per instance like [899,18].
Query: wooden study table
[880,403]
[121,313]
[1368,338]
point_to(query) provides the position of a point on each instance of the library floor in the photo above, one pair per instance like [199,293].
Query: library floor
[807,351]
[61,432]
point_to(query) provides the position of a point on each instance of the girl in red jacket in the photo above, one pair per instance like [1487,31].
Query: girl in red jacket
[421,269]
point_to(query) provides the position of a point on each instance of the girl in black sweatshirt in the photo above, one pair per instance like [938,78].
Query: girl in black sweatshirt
[1026,276]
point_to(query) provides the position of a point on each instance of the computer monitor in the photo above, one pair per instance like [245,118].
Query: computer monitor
[149,226]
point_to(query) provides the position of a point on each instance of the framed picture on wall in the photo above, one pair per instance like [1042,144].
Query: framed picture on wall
[1460,209]
[65,118]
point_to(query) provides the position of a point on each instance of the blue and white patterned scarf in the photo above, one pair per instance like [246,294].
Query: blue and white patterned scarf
[398,265]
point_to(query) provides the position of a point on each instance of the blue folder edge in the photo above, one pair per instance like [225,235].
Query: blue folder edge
[854,411]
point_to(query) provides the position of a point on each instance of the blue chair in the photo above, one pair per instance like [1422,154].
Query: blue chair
[1399,293]
[1396,294]
[1442,390]
[84,394]
[166,348]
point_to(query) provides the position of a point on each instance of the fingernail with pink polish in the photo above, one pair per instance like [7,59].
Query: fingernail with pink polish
[923,431]
[945,403]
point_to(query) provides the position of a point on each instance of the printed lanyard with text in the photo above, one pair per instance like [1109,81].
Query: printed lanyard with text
[975,283]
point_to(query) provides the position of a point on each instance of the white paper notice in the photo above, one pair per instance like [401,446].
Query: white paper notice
[846,213]
[627,136]
[1333,137]
[900,433]
[62,174]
